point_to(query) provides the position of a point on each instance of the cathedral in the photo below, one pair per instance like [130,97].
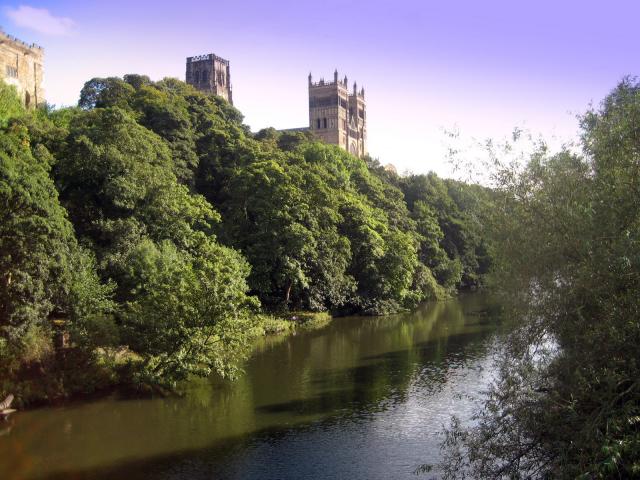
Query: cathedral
[337,116]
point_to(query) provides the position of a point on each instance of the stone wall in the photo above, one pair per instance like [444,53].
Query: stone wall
[21,65]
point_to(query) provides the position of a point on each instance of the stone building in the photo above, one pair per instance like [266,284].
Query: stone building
[211,74]
[21,65]
[337,116]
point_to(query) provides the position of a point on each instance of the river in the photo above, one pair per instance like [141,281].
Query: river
[363,398]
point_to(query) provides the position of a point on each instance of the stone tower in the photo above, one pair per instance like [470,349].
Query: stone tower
[211,74]
[337,116]
[21,65]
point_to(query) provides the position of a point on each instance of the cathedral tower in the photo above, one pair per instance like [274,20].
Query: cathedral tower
[211,74]
[337,117]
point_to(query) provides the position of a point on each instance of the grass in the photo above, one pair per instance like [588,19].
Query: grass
[286,323]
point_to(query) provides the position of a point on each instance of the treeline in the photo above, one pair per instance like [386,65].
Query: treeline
[566,402]
[150,226]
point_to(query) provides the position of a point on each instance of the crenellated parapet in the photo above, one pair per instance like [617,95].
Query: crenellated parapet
[327,83]
[17,43]
[208,57]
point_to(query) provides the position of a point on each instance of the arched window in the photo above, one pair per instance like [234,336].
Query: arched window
[318,122]
[196,76]
[205,76]
[324,121]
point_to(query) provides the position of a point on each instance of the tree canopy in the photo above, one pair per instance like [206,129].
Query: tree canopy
[154,224]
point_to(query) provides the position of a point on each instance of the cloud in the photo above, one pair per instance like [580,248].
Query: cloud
[40,20]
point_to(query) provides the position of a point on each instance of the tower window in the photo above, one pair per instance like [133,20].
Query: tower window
[12,71]
[196,76]
[205,76]
[324,121]
[318,122]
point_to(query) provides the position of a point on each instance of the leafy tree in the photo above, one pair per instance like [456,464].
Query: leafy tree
[35,240]
[189,314]
[566,402]
[265,219]
[116,177]
[10,104]
[105,92]
[44,271]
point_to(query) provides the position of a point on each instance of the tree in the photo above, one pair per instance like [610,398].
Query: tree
[265,219]
[188,314]
[115,176]
[105,92]
[180,291]
[111,225]
[10,104]
[35,238]
[44,271]
[566,402]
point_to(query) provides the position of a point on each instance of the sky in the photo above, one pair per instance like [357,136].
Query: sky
[480,68]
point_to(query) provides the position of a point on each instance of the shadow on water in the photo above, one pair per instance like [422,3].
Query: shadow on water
[355,396]
[394,369]
[204,463]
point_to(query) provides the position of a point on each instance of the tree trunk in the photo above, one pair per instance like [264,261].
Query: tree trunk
[288,294]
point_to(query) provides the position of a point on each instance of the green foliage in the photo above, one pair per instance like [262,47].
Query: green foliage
[292,321]
[10,104]
[567,230]
[151,225]
[45,276]
[457,252]
[272,325]
[320,229]
[105,92]
[35,238]
[188,314]
[117,183]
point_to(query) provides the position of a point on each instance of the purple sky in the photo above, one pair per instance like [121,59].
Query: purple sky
[480,67]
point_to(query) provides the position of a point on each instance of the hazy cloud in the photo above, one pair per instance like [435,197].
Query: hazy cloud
[40,20]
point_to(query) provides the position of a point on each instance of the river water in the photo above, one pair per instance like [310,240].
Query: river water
[363,398]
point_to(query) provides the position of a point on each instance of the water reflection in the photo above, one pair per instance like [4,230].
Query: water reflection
[361,398]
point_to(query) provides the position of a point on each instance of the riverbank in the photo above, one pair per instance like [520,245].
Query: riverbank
[293,321]
[79,378]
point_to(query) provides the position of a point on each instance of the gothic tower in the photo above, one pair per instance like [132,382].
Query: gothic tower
[210,74]
[337,117]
